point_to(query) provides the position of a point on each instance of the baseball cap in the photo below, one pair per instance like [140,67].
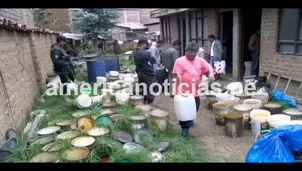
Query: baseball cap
[61,38]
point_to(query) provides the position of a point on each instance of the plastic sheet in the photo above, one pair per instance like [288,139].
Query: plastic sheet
[277,145]
[281,96]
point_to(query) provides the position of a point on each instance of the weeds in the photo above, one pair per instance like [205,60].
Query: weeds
[181,149]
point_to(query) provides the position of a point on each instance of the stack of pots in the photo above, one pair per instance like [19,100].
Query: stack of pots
[113,75]
[244,110]
[263,97]
[220,110]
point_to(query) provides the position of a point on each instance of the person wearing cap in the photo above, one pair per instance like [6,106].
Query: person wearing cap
[189,69]
[144,68]
[61,63]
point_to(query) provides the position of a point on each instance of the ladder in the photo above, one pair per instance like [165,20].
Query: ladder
[298,100]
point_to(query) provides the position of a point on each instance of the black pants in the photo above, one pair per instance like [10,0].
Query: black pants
[185,124]
[64,77]
[148,80]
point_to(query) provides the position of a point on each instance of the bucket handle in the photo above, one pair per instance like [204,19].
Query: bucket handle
[260,133]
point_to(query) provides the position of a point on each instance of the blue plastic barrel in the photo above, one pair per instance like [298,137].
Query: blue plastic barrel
[111,63]
[95,68]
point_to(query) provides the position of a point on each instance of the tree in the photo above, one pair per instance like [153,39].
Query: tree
[95,22]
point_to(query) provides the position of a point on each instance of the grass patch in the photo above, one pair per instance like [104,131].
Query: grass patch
[182,149]
[125,62]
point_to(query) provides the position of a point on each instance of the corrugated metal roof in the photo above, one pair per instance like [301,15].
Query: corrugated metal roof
[132,25]
[77,36]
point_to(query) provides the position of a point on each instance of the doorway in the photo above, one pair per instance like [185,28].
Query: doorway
[251,22]
[182,33]
[226,38]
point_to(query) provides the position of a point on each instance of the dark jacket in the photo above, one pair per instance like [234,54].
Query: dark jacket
[144,62]
[169,58]
[59,58]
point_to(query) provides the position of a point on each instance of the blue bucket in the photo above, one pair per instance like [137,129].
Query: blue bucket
[95,68]
[111,63]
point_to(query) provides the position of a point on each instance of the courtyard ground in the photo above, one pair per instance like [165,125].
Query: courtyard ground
[220,147]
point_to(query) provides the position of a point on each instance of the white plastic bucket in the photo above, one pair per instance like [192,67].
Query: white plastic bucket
[129,79]
[278,120]
[296,122]
[121,76]
[101,79]
[72,87]
[113,73]
[122,98]
[248,66]
[83,101]
[253,103]
[259,123]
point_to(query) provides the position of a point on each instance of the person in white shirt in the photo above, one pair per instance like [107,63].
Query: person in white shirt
[201,52]
[155,52]
[216,51]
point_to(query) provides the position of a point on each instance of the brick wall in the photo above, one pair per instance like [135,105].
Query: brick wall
[132,16]
[24,63]
[153,27]
[212,27]
[145,16]
[21,16]
[136,15]
[174,32]
[119,33]
[270,61]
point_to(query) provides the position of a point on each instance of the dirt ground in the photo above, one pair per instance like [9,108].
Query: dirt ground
[220,147]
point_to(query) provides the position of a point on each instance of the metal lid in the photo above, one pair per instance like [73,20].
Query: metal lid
[45,157]
[131,147]
[142,135]
[162,146]
[293,111]
[44,140]
[76,153]
[123,137]
[49,130]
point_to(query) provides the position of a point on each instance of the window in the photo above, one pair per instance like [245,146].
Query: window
[198,28]
[290,31]
[166,29]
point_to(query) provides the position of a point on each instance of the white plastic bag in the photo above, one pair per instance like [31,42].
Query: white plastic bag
[219,67]
[185,107]
[248,66]
[72,87]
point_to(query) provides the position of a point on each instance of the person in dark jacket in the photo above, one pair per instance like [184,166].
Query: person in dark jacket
[144,68]
[168,61]
[61,63]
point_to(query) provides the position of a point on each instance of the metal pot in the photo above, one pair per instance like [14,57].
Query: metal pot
[160,119]
[211,99]
[136,100]
[220,110]
[139,122]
